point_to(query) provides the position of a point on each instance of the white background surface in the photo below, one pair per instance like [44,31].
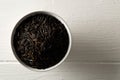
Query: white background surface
[95,28]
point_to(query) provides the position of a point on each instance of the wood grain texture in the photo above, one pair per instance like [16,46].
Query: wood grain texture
[94,25]
[66,71]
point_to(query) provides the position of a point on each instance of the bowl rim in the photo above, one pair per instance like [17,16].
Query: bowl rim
[58,18]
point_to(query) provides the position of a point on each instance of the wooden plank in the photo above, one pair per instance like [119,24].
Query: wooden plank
[94,25]
[66,71]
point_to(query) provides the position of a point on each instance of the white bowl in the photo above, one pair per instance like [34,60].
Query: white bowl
[68,31]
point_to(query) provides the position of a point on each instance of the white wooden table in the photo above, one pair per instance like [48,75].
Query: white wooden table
[95,28]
